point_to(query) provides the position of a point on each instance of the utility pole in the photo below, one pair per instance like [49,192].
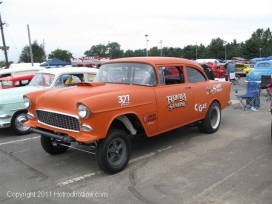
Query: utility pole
[161,46]
[4,47]
[30,47]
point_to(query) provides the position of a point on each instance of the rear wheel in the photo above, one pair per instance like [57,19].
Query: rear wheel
[211,122]
[113,152]
[17,123]
[51,146]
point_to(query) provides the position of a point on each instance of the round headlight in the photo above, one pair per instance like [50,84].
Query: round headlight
[27,102]
[83,111]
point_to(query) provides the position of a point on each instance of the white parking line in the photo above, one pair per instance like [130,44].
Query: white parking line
[14,141]
[80,178]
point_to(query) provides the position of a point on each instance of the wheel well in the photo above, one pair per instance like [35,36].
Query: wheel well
[133,119]
[217,102]
[18,112]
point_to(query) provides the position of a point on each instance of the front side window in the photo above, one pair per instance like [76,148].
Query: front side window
[194,75]
[171,75]
[127,73]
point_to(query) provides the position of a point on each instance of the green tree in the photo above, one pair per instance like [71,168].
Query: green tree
[140,53]
[154,51]
[216,49]
[37,51]
[189,52]
[97,50]
[115,50]
[3,63]
[63,55]
[111,50]
[129,53]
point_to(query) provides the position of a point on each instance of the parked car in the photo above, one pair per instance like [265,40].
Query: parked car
[130,97]
[260,68]
[16,81]
[12,109]
[249,68]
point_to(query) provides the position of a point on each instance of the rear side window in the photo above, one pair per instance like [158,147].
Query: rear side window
[264,65]
[194,75]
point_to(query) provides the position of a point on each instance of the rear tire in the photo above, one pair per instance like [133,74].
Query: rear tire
[211,122]
[113,152]
[52,147]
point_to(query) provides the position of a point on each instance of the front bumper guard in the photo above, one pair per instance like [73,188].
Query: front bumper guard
[61,138]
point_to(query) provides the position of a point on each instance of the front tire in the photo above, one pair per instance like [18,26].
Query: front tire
[51,146]
[211,122]
[113,152]
[17,123]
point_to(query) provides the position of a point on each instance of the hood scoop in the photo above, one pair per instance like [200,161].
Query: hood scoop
[93,84]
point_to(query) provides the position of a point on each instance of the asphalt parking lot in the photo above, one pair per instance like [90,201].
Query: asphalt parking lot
[231,166]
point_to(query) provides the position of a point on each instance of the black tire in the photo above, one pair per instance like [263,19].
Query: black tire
[17,123]
[113,152]
[51,147]
[211,122]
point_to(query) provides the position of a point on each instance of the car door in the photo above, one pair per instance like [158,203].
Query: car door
[175,101]
[201,90]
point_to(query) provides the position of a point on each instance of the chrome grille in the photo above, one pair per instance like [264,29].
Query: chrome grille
[58,120]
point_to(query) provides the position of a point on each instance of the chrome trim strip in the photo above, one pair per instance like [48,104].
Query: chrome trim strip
[18,109]
[5,116]
[4,125]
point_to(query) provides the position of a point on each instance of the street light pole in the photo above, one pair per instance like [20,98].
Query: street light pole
[196,51]
[260,52]
[146,45]
[161,46]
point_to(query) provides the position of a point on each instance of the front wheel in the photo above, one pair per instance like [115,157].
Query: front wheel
[17,123]
[211,122]
[52,147]
[113,152]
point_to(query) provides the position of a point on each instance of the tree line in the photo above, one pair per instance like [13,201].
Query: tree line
[258,45]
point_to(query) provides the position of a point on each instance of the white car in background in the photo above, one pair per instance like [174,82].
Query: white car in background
[12,108]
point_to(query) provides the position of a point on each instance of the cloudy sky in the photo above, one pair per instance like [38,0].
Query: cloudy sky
[78,25]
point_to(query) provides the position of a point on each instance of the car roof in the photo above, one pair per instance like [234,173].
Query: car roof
[155,60]
[20,71]
[69,70]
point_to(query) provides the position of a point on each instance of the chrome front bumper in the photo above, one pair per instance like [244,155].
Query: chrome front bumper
[4,124]
[229,103]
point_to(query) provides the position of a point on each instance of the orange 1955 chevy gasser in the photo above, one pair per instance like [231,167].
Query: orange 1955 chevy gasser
[128,97]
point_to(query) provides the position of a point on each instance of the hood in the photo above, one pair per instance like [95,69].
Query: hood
[16,94]
[98,97]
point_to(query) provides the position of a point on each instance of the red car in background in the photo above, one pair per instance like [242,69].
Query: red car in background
[15,81]
[218,70]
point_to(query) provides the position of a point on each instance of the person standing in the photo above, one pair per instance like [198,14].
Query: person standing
[231,68]
[208,71]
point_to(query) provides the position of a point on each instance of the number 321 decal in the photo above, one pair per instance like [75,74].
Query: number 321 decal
[123,100]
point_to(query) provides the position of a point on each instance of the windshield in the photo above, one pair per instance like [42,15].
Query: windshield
[42,79]
[127,73]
